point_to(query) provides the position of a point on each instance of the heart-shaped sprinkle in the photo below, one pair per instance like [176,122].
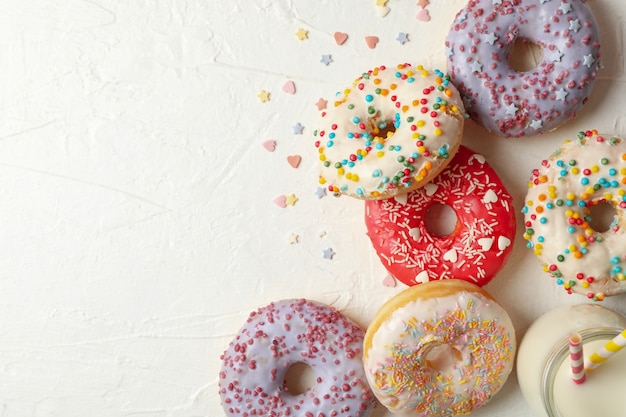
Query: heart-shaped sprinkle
[479,158]
[503,242]
[451,256]
[340,37]
[281,201]
[294,160]
[270,145]
[422,278]
[430,189]
[289,87]
[423,15]
[490,197]
[402,199]
[389,281]
[485,243]
[415,233]
[371,41]
[382,11]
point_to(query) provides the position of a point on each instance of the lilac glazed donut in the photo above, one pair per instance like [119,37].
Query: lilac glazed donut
[514,103]
[288,332]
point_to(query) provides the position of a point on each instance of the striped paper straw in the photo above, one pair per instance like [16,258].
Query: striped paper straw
[577,358]
[608,350]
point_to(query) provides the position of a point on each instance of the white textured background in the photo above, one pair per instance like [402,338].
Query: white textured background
[137,223]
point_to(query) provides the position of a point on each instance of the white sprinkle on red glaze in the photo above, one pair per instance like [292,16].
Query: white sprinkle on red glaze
[251,380]
[480,243]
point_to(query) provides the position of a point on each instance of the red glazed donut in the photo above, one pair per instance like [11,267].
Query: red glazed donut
[284,333]
[477,247]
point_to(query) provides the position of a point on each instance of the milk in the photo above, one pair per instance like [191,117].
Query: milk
[544,368]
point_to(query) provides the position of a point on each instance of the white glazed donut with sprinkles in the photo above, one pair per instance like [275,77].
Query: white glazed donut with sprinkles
[284,333]
[477,247]
[440,349]
[514,103]
[391,132]
[583,173]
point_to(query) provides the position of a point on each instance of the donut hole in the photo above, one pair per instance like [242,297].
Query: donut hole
[440,219]
[525,55]
[442,358]
[299,378]
[382,129]
[601,216]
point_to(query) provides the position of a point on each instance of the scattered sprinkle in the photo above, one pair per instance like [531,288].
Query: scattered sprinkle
[321,104]
[328,253]
[289,87]
[326,59]
[302,34]
[423,3]
[371,41]
[294,160]
[291,199]
[270,145]
[264,96]
[383,11]
[389,281]
[340,37]
[381,3]
[402,38]
[297,128]
[293,238]
[320,192]
[281,201]
[423,15]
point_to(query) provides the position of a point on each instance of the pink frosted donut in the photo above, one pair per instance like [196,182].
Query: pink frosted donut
[511,103]
[284,333]
[477,247]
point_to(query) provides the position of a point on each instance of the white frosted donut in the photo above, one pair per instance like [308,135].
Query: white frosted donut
[392,131]
[439,349]
[520,103]
[584,172]
[284,333]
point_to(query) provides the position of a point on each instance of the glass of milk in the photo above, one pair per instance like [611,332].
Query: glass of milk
[544,368]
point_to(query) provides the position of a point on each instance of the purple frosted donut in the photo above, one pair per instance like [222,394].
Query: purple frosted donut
[284,333]
[522,103]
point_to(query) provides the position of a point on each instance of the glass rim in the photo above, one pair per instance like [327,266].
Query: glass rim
[560,353]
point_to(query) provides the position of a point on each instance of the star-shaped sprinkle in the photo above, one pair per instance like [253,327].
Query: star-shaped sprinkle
[326,59]
[491,38]
[297,128]
[320,192]
[449,51]
[476,66]
[462,16]
[561,94]
[328,253]
[536,124]
[302,34]
[402,38]
[264,96]
[556,55]
[565,7]
[293,238]
[291,199]
[321,104]
[423,3]
[588,60]
[511,109]
[575,25]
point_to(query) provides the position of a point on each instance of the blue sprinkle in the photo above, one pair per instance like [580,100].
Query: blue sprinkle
[369,98]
